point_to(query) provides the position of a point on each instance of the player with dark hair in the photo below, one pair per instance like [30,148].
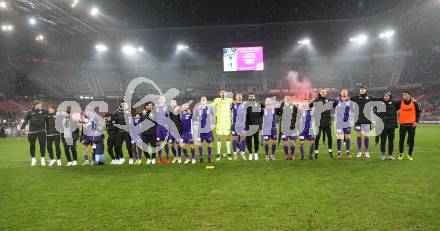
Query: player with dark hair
[70,138]
[36,118]
[389,119]
[84,139]
[325,124]
[148,120]
[238,126]
[363,125]
[123,136]
[53,136]
[253,126]
[175,115]
[269,128]
[112,144]
[409,119]
[288,112]
[136,139]
[205,116]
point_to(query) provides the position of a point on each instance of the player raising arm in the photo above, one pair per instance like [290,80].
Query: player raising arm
[363,125]
[343,117]
[325,124]
[204,116]
[69,137]
[307,130]
[174,115]
[288,113]
[162,112]
[149,132]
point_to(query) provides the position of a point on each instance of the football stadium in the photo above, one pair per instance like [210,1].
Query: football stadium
[219,115]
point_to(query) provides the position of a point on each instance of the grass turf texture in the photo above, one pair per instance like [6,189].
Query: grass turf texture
[321,194]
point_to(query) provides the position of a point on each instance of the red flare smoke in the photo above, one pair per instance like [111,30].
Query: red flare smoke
[302,89]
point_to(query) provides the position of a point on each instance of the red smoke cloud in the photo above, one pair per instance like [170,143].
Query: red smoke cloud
[302,88]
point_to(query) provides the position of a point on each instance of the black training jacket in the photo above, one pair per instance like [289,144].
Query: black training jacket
[389,117]
[361,101]
[119,117]
[175,118]
[326,116]
[149,116]
[36,120]
[51,126]
[253,117]
[111,128]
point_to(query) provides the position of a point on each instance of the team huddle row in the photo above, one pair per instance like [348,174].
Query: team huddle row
[165,127]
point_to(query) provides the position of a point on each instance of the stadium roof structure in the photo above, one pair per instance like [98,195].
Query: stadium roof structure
[141,14]
[207,26]
[50,16]
[58,15]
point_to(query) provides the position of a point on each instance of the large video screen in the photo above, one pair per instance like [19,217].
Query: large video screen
[243,59]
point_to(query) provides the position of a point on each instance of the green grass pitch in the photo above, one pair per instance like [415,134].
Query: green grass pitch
[321,194]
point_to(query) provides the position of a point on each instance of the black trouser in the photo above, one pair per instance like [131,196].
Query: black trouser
[387,133]
[120,138]
[68,148]
[327,131]
[113,146]
[256,137]
[377,138]
[411,134]
[32,138]
[149,139]
[54,139]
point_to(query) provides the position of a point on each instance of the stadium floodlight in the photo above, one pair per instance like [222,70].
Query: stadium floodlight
[181,47]
[94,11]
[3,5]
[386,34]
[74,3]
[305,41]
[32,21]
[7,27]
[39,37]
[101,47]
[361,38]
[128,49]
